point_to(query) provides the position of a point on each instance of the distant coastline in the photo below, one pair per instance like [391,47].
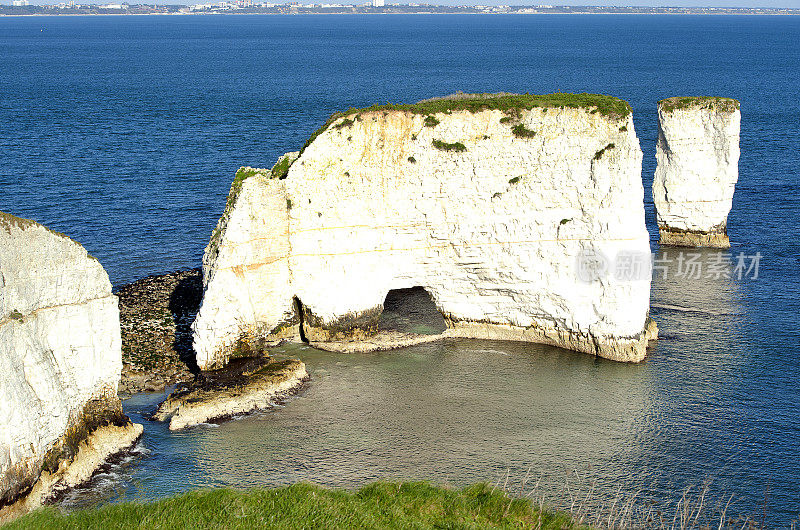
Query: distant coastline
[242,8]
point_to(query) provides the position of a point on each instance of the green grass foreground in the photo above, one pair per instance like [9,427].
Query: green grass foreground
[379,505]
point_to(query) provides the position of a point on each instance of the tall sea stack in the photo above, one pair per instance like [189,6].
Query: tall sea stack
[698,166]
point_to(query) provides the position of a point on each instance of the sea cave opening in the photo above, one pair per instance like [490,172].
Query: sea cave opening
[411,310]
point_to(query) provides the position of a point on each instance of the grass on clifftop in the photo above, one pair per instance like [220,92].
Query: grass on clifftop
[8,221]
[703,102]
[379,505]
[505,102]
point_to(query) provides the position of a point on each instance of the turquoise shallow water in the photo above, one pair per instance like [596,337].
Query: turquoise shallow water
[125,132]
[703,408]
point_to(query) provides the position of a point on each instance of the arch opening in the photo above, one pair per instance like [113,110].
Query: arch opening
[411,310]
[298,311]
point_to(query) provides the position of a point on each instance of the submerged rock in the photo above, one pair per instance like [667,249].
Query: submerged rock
[246,385]
[490,203]
[60,363]
[698,157]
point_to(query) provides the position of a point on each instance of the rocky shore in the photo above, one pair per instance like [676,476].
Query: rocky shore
[245,385]
[155,316]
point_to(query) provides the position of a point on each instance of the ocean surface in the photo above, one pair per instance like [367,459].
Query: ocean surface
[125,133]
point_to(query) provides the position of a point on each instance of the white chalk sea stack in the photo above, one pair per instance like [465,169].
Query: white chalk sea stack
[60,363]
[489,203]
[697,168]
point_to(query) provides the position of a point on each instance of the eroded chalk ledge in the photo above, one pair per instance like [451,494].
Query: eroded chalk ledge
[245,385]
[101,445]
[623,349]
[686,238]
[383,340]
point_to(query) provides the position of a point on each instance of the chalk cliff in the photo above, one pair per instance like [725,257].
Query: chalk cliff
[698,166]
[60,364]
[490,203]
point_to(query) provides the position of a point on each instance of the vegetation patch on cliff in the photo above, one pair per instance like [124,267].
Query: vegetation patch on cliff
[347,122]
[378,505]
[701,102]
[599,154]
[8,221]
[505,102]
[520,131]
[281,168]
[445,146]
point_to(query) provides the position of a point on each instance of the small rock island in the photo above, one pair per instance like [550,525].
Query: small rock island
[488,202]
[698,166]
[60,360]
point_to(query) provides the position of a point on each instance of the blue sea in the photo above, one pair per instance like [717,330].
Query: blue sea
[125,134]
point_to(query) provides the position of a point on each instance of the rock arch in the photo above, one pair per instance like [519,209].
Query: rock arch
[488,206]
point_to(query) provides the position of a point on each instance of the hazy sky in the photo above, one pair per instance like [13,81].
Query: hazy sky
[681,3]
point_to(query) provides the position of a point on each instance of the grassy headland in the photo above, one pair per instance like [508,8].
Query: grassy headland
[507,103]
[379,505]
[702,102]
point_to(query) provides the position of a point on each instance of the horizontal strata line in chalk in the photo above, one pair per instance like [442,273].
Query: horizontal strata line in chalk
[404,227]
[407,249]
[41,309]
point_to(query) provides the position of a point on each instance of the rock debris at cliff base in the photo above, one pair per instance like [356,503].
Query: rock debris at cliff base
[155,316]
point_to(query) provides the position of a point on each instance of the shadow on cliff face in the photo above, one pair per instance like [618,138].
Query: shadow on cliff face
[184,302]
[411,311]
